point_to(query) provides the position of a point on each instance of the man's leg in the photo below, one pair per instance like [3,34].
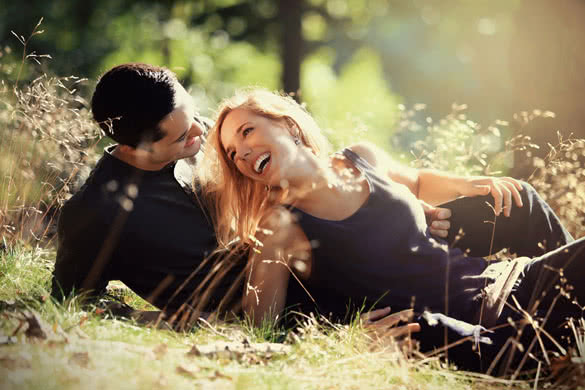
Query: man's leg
[552,273]
[531,230]
[542,290]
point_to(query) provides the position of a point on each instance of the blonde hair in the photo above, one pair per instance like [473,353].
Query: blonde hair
[237,203]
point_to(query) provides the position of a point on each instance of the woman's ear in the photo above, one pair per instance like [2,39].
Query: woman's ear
[293,128]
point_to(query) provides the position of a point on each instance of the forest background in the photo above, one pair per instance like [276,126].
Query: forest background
[353,61]
[474,87]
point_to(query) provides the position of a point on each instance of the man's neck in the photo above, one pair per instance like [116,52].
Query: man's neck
[137,158]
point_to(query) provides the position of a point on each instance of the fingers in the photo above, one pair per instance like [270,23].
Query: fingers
[407,329]
[508,189]
[504,190]
[515,187]
[391,320]
[374,315]
[498,197]
[438,220]
[506,199]
[442,213]
[440,228]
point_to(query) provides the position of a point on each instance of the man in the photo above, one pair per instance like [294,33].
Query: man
[136,218]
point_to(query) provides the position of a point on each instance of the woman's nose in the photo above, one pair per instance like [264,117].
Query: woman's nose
[244,153]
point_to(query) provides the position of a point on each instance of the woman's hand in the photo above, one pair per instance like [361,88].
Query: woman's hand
[503,189]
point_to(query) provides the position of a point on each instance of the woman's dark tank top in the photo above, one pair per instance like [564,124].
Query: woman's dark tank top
[385,254]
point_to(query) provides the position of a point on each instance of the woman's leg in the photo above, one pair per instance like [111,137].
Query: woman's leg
[531,230]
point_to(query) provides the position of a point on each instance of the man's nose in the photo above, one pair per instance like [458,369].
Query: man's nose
[196,129]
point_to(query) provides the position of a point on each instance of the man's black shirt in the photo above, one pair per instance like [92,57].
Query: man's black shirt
[144,228]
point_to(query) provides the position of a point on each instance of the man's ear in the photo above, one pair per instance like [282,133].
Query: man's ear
[144,146]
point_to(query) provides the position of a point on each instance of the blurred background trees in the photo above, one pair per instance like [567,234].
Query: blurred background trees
[352,61]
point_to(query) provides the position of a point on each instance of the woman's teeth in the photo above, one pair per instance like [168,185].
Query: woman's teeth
[261,162]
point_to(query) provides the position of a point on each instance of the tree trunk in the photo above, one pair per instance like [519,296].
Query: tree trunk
[290,12]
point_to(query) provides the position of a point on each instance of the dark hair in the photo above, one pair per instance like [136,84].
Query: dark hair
[130,100]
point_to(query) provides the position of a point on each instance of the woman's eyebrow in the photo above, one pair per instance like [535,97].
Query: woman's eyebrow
[239,130]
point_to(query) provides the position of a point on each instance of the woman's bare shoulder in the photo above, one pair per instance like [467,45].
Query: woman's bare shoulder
[368,151]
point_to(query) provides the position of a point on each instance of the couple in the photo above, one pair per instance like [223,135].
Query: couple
[351,225]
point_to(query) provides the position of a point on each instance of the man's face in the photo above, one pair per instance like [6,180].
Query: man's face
[182,132]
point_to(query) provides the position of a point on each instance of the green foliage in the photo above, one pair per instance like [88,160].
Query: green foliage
[354,105]
[457,144]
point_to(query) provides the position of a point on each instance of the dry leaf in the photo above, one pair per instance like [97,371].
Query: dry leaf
[190,373]
[56,343]
[194,351]
[83,319]
[13,364]
[219,375]
[34,326]
[80,358]
[160,351]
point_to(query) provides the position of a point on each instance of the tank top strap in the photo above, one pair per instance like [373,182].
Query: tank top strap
[358,161]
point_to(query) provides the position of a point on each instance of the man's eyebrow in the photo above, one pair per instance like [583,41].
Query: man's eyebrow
[181,136]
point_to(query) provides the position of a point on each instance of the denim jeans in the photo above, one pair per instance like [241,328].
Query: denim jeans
[531,230]
[551,280]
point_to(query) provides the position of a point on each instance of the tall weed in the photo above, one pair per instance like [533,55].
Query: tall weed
[46,145]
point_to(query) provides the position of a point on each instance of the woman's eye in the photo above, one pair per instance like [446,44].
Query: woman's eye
[247,131]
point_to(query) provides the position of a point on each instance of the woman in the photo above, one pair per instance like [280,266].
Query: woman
[353,222]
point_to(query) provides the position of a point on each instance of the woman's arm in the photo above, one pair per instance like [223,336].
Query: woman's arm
[269,266]
[436,187]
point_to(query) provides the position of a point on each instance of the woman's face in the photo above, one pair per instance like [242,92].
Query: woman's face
[262,149]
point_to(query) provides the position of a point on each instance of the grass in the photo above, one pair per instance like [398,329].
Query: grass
[84,349]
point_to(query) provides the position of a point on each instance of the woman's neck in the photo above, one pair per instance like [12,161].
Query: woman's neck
[322,178]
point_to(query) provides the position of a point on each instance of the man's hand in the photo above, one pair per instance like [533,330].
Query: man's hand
[503,189]
[437,219]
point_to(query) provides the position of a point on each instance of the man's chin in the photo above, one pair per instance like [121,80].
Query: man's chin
[192,150]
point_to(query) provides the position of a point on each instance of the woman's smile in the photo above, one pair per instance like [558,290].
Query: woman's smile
[262,163]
